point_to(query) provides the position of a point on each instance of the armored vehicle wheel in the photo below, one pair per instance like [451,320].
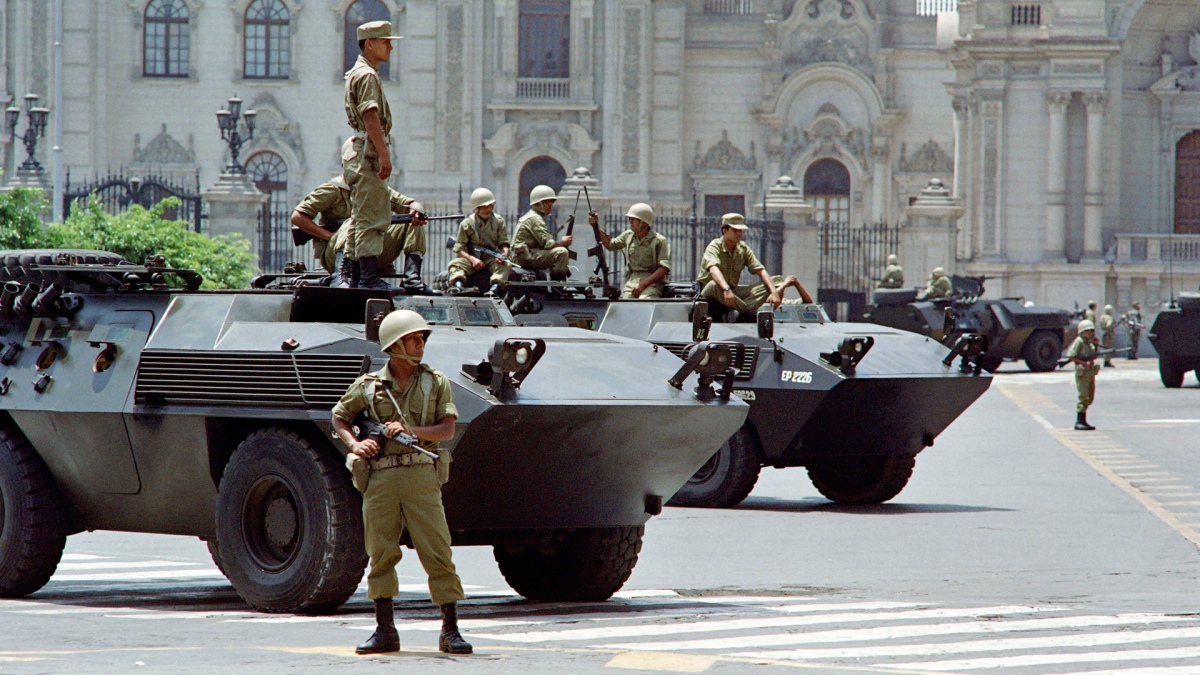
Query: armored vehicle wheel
[728,476]
[1170,374]
[863,479]
[586,565]
[1042,351]
[214,550]
[32,536]
[289,524]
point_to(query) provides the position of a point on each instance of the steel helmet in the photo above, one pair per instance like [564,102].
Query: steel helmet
[398,324]
[1086,325]
[1108,309]
[642,212]
[893,259]
[482,197]
[541,193]
[939,272]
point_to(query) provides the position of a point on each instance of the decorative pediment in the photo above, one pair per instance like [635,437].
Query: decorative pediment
[929,158]
[827,31]
[827,136]
[163,149]
[274,130]
[724,156]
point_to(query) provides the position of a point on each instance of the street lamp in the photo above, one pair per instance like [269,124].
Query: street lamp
[227,121]
[34,129]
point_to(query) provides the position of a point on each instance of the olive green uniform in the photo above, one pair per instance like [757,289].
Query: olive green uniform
[533,246]
[643,255]
[331,201]
[1133,319]
[938,288]
[406,496]
[893,277]
[491,233]
[1090,314]
[369,207]
[1085,376]
[731,264]
[1107,332]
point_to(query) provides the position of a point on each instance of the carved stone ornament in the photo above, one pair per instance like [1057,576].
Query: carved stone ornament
[830,50]
[543,133]
[1194,47]
[828,136]
[929,158]
[724,156]
[163,149]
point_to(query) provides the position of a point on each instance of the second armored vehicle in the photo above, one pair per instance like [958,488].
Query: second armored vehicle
[1176,337]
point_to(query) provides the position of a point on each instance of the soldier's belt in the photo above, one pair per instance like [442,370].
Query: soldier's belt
[406,459]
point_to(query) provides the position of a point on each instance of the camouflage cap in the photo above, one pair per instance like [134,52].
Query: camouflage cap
[735,220]
[377,30]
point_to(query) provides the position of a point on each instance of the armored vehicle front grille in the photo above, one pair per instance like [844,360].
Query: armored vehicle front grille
[170,377]
[745,366]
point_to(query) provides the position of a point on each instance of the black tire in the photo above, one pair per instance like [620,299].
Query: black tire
[1170,374]
[289,524]
[32,531]
[214,550]
[864,479]
[1042,351]
[728,476]
[586,565]
[14,265]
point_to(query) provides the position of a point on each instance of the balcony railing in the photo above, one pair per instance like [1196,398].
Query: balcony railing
[935,7]
[729,7]
[543,87]
[1026,15]
[1158,248]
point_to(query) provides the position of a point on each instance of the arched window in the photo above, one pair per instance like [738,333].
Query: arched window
[266,50]
[357,14]
[269,173]
[540,171]
[544,39]
[1187,184]
[827,186]
[165,39]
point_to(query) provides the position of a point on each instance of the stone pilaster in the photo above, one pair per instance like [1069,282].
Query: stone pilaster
[801,254]
[234,206]
[1093,205]
[928,239]
[1056,156]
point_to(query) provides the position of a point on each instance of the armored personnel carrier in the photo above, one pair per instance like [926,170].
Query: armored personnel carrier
[1176,337]
[1014,330]
[126,405]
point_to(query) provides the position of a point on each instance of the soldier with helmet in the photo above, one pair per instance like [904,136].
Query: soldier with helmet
[484,227]
[1090,312]
[1082,353]
[404,485]
[1108,330]
[1133,321]
[939,285]
[721,269]
[893,276]
[647,253]
[534,247]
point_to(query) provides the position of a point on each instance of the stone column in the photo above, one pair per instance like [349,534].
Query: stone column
[878,184]
[801,255]
[234,206]
[1056,167]
[1093,204]
[928,240]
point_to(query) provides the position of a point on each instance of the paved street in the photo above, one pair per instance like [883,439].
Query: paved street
[1019,546]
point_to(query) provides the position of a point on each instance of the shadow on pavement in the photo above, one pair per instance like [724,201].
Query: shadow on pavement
[822,506]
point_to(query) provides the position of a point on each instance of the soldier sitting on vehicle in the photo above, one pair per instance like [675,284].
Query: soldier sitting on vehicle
[483,228]
[939,285]
[534,248]
[647,253]
[721,267]
[893,276]
[1108,331]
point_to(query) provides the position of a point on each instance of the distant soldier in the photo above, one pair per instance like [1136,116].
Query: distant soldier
[1133,321]
[483,228]
[893,276]
[1090,312]
[647,253]
[721,268]
[1082,353]
[939,285]
[1108,329]
[534,248]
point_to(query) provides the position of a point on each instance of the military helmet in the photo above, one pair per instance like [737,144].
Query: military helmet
[1086,325]
[642,212]
[1108,309]
[400,323]
[482,197]
[1092,304]
[541,193]
[893,259]
[939,272]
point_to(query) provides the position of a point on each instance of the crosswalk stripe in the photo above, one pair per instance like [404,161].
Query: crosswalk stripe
[893,633]
[1153,670]
[136,576]
[71,567]
[1051,659]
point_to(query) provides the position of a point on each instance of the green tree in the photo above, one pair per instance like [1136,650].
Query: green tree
[21,212]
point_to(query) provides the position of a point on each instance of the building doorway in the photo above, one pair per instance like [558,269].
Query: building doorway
[827,187]
[540,171]
[1187,184]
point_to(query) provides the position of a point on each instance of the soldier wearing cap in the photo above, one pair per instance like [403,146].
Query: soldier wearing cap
[721,267]
[939,285]
[893,275]
[534,247]
[1108,330]
[484,227]
[1082,353]
[647,253]
[404,486]
[368,163]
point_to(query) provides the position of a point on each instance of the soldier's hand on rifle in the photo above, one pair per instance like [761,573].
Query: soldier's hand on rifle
[366,448]
[593,218]
[418,212]
[566,241]
[394,428]
[476,263]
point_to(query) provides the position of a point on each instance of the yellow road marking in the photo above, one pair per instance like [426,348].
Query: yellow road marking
[664,661]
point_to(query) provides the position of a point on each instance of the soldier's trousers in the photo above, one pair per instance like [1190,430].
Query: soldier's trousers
[408,497]
[398,239]
[1134,338]
[460,268]
[748,298]
[1085,385]
[556,260]
[1106,342]
[370,205]
[652,292]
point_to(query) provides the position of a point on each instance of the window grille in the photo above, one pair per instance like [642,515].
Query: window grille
[165,41]
[1026,15]
[729,7]
[266,31]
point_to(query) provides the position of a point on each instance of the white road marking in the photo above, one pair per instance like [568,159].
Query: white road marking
[84,556]
[846,606]
[1169,421]
[121,565]
[1153,670]
[1049,659]
[136,576]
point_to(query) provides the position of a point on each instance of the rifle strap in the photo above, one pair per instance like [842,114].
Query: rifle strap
[426,385]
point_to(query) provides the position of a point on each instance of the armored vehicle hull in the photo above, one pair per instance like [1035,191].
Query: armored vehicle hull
[207,414]
[1176,337]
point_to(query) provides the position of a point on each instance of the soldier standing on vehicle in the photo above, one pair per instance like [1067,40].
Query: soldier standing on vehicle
[1133,321]
[368,163]
[939,285]
[647,253]
[721,267]
[893,276]
[534,248]
[404,488]
[1108,330]
[484,228]
[1082,353]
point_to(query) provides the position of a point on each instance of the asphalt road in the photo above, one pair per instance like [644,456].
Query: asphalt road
[1019,546]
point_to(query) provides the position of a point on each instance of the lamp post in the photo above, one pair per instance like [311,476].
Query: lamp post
[35,128]
[228,122]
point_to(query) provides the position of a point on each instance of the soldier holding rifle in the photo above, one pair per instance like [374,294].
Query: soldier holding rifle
[647,253]
[1133,321]
[483,228]
[1083,352]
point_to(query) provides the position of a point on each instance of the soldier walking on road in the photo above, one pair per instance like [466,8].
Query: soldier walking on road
[1133,321]
[1108,330]
[484,228]
[1082,353]
[534,248]
[647,253]
[404,485]
[893,276]
[721,268]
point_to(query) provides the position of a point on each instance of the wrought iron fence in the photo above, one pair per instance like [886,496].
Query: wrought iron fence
[852,260]
[117,193]
[275,247]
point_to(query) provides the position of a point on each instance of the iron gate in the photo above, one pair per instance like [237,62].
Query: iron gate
[117,193]
[852,261]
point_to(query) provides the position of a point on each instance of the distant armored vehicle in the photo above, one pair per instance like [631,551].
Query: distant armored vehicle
[128,406]
[1014,329]
[1176,337]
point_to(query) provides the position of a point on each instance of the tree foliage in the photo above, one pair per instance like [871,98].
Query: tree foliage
[21,212]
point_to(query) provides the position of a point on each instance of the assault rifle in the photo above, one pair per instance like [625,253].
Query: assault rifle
[598,249]
[331,225]
[571,227]
[1099,354]
[477,250]
[370,430]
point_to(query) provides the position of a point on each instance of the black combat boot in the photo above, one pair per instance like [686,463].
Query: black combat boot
[369,275]
[385,638]
[493,291]
[355,272]
[1081,423]
[559,276]
[457,287]
[344,275]
[451,641]
[412,274]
